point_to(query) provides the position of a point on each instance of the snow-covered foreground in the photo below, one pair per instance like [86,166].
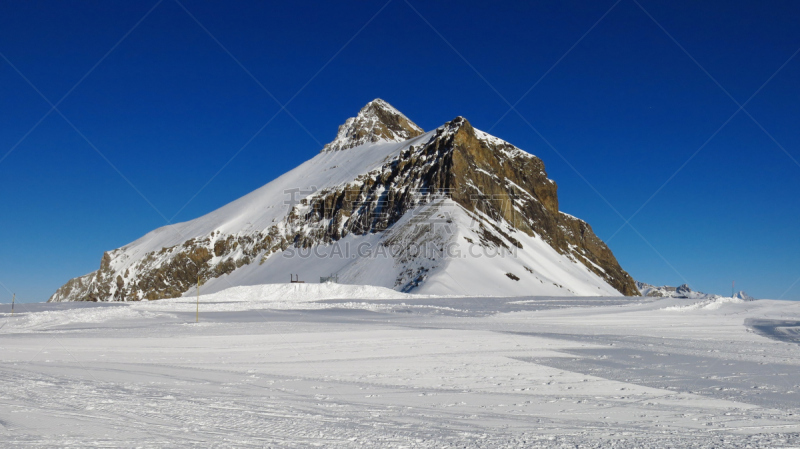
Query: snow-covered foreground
[340,366]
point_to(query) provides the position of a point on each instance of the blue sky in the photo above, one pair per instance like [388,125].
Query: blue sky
[618,115]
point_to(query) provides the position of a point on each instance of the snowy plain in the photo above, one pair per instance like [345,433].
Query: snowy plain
[326,365]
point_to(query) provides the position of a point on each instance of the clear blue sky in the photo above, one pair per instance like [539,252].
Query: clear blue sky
[623,111]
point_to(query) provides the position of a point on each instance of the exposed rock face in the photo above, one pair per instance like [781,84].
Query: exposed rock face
[683,290]
[94,286]
[486,174]
[502,188]
[376,121]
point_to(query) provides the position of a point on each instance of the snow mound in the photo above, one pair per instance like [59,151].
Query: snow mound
[299,292]
[299,296]
[710,304]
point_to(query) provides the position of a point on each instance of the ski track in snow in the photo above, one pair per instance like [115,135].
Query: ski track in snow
[352,366]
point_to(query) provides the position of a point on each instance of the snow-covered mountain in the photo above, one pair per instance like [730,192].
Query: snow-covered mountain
[449,211]
[743,296]
[682,291]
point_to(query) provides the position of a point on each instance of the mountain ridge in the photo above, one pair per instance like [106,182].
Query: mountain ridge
[683,291]
[454,187]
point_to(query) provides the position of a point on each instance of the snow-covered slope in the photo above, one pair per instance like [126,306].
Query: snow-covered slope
[450,211]
[269,204]
[460,268]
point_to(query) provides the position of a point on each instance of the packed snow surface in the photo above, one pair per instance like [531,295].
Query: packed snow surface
[327,365]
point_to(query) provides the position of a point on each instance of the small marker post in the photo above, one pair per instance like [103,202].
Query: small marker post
[197,316]
[13,299]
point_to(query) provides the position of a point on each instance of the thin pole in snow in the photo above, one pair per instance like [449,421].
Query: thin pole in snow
[197,314]
[13,299]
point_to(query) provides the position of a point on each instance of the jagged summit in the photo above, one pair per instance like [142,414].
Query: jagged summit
[375,122]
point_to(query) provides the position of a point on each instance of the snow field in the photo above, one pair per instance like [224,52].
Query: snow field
[310,365]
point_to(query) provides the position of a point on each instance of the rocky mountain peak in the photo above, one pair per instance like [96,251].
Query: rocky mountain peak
[453,126]
[375,122]
[455,187]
